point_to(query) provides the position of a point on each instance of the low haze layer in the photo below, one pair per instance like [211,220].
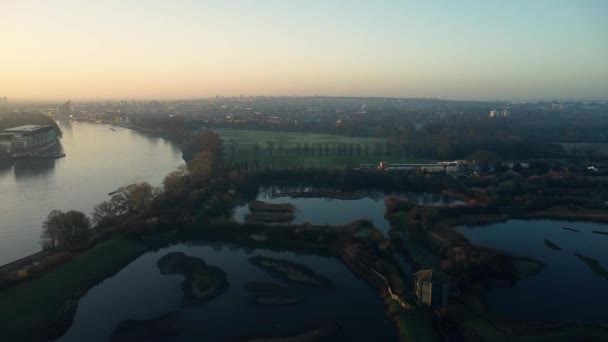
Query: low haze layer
[185,49]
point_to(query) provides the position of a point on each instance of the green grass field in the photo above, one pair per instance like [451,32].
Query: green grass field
[28,308]
[288,149]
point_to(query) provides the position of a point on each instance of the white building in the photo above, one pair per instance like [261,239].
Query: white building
[29,136]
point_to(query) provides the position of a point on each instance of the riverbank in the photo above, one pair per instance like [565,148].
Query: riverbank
[42,307]
[29,189]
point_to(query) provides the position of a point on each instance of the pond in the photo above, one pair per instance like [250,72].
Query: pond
[331,211]
[139,291]
[567,289]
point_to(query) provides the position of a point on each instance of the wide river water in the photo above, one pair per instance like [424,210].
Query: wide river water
[99,159]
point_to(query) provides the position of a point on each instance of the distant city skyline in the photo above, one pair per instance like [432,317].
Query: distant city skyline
[462,50]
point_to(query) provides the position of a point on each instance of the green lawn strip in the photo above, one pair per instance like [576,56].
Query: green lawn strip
[289,139]
[263,159]
[239,146]
[30,307]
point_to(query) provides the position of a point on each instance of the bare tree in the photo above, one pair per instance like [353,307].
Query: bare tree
[64,229]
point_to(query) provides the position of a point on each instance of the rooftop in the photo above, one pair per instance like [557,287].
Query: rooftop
[25,128]
[431,275]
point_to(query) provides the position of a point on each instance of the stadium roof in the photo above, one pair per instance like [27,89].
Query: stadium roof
[26,128]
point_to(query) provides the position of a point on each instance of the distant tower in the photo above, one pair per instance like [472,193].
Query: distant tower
[493,113]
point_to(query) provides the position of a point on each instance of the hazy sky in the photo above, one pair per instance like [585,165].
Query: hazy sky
[60,49]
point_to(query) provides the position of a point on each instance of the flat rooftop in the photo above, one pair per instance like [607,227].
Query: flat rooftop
[26,128]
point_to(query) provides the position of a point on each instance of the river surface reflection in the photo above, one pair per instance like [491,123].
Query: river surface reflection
[99,159]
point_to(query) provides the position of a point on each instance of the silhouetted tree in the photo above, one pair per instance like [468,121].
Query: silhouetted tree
[63,229]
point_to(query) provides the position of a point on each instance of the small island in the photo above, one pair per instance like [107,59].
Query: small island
[594,265]
[552,245]
[291,271]
[262,212]
[202,283]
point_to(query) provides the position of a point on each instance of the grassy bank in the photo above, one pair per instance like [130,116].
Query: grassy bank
[30,307]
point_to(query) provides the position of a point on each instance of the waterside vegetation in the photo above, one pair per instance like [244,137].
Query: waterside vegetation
[196,202]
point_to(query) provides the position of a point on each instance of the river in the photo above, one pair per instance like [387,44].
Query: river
[99,159]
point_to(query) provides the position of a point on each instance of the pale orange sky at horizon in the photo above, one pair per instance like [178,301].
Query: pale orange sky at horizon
[67,49]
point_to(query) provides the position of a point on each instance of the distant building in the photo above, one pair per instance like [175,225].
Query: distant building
[28,137]
[65,109]
[431,287]
[499,113]
[439,167]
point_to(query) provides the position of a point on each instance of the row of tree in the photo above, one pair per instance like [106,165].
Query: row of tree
[314,149]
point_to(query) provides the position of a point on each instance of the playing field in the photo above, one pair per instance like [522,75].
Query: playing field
[289,149]
[288,139]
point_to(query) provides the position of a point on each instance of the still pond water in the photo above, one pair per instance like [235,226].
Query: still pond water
[99,159]
[140,292]
[566,289]
[318,210]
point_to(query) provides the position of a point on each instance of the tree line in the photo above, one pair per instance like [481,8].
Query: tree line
[271,148]
[72,228]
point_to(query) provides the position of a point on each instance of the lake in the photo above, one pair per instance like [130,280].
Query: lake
[139,291]
[566,289]
[99,159]
[331,211]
